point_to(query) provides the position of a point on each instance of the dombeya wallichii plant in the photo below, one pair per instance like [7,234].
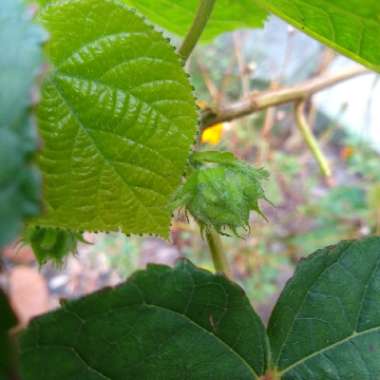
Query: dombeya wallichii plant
[118,123]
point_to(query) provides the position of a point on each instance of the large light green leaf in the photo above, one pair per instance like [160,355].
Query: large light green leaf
[326,325]
[20,58]
[177,15]
[350,26]
[117,117]
[169,324]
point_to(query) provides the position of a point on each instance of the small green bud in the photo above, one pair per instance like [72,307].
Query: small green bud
[51,243]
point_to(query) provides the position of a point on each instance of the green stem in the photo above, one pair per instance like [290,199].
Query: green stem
[203,14]
[217,253]
[204,11]
[310,140]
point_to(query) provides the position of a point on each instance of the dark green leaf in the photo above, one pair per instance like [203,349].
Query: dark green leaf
[20,59]
[169,324]
[118,119]
[326,324]
[350,26]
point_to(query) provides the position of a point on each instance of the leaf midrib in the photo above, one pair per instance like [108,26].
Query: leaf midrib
[278,356]
[326,40]
[136,143]
[153,306]
[322,351]
[355,334]
[81,126]
[111,87]
[342,11]
[223,343]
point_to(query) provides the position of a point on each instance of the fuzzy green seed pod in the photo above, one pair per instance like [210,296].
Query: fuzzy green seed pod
[221,191]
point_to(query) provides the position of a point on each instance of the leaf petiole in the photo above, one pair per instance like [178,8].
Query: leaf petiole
[217,252]
[200,21]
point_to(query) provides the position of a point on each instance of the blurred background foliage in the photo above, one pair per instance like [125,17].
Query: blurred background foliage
[307,212]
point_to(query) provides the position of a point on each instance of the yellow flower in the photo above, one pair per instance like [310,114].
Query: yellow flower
[212,135]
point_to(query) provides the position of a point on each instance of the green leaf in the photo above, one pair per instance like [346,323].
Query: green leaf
[181,323]
[51,243]
[20,59]
[221,195]
[117,117]
[326,324]
[7,321]
[177,15]
[350,26]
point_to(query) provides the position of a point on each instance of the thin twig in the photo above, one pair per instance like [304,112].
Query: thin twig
[259,101]
[209,83]
[310,140]
[238,43]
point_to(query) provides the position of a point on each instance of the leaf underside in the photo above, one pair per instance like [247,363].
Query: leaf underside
[176,16]
[326,325]
[163,323]
[350,26]
[20,59]
[117,117]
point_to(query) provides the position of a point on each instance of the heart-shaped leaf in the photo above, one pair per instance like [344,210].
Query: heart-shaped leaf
[117,117]
[326,324]
[163,323]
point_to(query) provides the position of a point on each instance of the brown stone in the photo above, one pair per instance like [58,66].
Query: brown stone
[28,293]
[19,254]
